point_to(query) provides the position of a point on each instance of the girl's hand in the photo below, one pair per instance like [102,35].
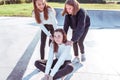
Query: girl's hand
[46,77]
[51,38]
[69,43]
[50,78]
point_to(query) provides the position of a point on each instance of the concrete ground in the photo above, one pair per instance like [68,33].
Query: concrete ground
[19,48]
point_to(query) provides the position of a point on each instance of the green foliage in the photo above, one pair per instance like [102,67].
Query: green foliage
[91,1]
[14,1]
[28,1]
[1,2]
[56,0]
[81,1]
[26,9]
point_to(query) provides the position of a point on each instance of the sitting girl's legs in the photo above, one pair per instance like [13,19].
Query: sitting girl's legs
[40,64]
[63,71]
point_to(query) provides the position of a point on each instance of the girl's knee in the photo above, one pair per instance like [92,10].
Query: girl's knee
[70,67]
[37,63]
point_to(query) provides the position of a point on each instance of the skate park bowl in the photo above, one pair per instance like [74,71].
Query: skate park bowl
[20,40]
[99,18]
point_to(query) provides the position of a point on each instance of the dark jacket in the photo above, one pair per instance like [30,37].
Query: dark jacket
[78,23]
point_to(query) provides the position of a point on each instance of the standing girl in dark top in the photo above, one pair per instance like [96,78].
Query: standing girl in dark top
[78,20]
[45,17]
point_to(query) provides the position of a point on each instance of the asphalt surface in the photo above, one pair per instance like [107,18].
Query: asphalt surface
[19,48]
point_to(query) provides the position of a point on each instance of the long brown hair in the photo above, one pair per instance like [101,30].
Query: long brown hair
[73,3]
[64,39]
[36,11]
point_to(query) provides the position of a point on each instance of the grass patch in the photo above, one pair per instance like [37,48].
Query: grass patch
[16,10]
[26,9]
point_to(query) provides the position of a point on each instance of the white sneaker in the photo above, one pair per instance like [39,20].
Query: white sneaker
[83,57]
[59,79]
[43,78]
[76,60]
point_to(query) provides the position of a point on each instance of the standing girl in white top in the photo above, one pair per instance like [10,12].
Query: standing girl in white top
[60,66]
[45,17]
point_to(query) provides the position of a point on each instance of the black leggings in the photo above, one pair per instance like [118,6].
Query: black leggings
[80,43]
[63,70]
[43,40]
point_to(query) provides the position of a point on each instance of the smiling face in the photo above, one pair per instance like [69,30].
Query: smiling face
[58,37]
[40,4]
[69,9]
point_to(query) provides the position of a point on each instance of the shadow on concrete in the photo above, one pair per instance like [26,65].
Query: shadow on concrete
[36,71]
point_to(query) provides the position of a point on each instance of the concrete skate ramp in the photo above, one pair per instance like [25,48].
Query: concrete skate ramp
[99,18]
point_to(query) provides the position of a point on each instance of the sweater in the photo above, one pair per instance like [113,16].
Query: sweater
[64,53]
[51,20]
[77,23]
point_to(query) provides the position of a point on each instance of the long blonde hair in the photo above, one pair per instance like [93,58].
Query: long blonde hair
[73,3]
